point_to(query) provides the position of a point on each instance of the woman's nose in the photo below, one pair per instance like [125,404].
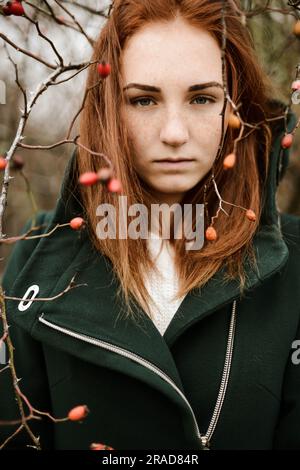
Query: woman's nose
[174,131]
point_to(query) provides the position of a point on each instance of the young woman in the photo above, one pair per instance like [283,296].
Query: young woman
[168,347]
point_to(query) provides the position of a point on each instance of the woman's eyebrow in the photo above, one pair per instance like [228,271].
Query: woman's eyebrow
[199,86]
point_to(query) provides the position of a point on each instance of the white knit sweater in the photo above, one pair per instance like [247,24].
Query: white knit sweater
[162,287]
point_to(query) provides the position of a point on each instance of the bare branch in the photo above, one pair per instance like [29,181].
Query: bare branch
[36,24]
[90,40]
[29,54]
[44,299]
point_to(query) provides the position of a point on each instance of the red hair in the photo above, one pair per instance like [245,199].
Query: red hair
[102,130]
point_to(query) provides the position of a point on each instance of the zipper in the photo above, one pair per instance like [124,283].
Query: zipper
[205,439]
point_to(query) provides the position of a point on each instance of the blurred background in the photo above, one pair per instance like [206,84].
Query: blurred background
[278,50]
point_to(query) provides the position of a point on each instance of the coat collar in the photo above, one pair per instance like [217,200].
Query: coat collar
[94,309]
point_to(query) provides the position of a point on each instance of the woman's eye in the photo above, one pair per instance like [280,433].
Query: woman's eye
[138,100]
[207,98]
[135,101]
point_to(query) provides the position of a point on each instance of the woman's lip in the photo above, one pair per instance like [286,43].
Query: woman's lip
[174,164]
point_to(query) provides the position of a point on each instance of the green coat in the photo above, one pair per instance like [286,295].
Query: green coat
[145,390]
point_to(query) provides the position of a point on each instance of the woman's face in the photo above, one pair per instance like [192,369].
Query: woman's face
[173,122]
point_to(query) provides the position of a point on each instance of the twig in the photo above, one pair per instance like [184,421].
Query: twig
[91,41]
[69,287]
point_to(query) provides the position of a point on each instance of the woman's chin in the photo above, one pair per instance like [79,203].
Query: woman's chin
[172,190]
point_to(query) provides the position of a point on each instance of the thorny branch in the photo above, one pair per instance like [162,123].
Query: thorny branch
[80,28]
[235,107]
[70,286]
[20,397]
[58,69]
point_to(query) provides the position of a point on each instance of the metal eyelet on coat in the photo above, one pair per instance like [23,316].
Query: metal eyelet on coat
[27,298]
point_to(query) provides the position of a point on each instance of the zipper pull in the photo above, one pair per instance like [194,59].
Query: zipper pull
[205,443]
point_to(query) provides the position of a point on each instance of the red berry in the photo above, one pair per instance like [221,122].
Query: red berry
[250,214]
[6,10]
[60,20]
[3,163]
[14,8]
[296,28]
[114,186]
[234,121]
[89,178]
[211,234]
[99,446]
[296,85]
[78,413]
[77,223]
[104,69]
[229,161]
[104,174]
[17,162]
[287,141]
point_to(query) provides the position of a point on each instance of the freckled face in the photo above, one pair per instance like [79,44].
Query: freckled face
[174,122]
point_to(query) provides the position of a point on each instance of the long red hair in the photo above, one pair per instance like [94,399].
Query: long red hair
[102,130]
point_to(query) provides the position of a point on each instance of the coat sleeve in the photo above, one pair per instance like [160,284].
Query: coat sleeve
[28,360]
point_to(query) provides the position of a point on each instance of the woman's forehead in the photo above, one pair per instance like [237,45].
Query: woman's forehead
[156,55]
